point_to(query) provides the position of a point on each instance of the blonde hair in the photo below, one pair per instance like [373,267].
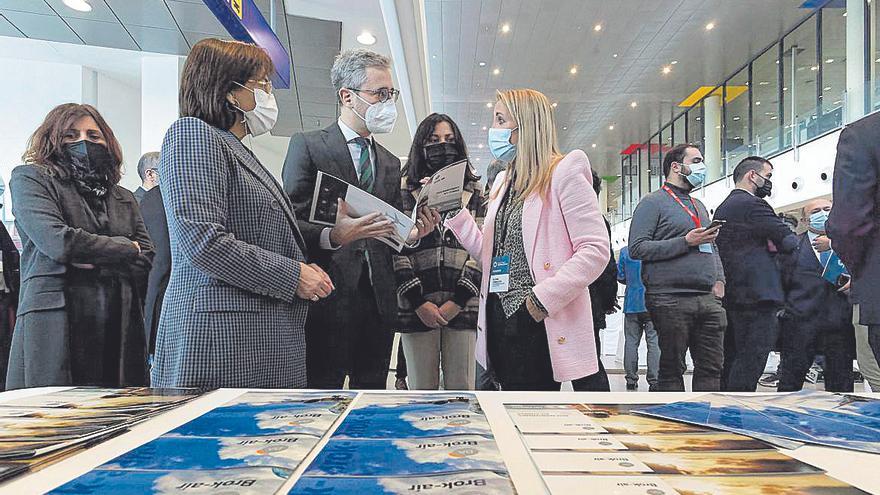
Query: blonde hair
[537,151]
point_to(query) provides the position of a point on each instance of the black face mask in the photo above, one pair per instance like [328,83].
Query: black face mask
[764,190]
[439,155]
[91,166]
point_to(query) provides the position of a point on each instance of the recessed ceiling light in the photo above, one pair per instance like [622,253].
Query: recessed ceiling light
[736,118]
[763,83]
[78,5]
[594,145]
[573,70]
[496,71]
[611,127]
[505,28]
[615,55]
[485,128]
[433,56]
[634,104]
[785,88]
[488,104]
[829,61]
[564,128]
[698,119]
[473,123]
[667,69]
[480,146]
[773,118]
[366,38]
[826,88]
[554,104]
[710,26]
[673,62]
[757,103]
[478,159]
[482,64]
[597,27]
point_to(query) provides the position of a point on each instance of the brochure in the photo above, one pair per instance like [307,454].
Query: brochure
[168,453]
[443,192]
[788,484]
[694,464]
[690,442]
[407,457]
[413,421]
[245,420]
[581,419]
[469,483]
[325,201]
[137,400]
[245,481]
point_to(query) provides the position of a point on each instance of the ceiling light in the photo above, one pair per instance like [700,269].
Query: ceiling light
[505,28]
[594,145]
[611,127]
[757,103]
[597,27]
[615,56]
[829,61]
[815,67]
[482,64]
[673,62]
[554,104]
[473,123]
[433,56]
[763,83]
[564,128]
[710,26]
[773,118]
[573,70]
[488,104]
[836,102]
[634,104]
[667,69]
[78,5]
[826,88]
[736,118]
[366,38]
[698,119]
[480,146]
[478,159]
[785,88]
[485,128]
[496,71]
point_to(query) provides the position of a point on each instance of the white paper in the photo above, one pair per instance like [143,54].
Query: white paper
[553,420]
[573,442]
[444,190]
[589,462]
[608,485]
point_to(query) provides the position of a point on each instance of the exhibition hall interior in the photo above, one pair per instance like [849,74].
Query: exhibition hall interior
[440,246]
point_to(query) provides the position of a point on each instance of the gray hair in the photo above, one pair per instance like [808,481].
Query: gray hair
[350,68]
[149,161]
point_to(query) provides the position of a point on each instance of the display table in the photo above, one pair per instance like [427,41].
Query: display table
[858,469]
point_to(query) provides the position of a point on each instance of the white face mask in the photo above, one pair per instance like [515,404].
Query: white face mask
[380,117]
[262,118]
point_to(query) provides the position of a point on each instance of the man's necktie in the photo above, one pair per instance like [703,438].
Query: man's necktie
[365,171]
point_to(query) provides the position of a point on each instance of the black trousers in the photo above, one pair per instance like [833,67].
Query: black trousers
[347,336]
[520,355]
[803,339]
[751,333]
[682,321]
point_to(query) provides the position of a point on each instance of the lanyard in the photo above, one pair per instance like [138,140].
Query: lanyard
[695,217]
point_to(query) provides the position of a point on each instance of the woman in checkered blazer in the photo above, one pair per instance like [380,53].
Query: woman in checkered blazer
[236,303]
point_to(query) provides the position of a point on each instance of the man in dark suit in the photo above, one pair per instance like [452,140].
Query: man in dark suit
[350,333]
[10,281]
[153,212]
[818,316]
[853,224]
[747,243]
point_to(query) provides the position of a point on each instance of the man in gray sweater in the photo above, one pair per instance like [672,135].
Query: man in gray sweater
[682,272]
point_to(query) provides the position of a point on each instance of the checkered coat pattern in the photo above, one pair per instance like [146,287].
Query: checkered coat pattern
[230,317]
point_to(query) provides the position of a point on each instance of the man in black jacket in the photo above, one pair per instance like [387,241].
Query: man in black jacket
[10,281]
[751,236]
[818,316]
[853,225]
[153,211]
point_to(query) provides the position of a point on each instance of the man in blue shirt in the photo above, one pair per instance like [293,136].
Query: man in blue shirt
[636,321]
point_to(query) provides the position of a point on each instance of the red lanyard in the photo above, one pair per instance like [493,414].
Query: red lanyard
[694,216]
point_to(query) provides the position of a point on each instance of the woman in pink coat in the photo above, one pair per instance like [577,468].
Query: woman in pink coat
[542,244]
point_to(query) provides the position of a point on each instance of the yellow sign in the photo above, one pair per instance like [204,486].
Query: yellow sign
[237,7]
[696,96]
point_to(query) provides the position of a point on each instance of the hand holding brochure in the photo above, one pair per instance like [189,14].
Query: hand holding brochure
[443,192]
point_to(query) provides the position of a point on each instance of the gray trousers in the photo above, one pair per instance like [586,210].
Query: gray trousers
[427,352]
[865,355]
[634,325]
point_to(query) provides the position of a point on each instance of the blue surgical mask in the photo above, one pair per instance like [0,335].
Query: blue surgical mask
[697,175]
[499,144]
[818,219]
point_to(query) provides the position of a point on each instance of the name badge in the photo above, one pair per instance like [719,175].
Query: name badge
[499,278]
[706,248]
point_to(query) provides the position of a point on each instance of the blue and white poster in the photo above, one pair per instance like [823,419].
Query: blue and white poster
[470,483]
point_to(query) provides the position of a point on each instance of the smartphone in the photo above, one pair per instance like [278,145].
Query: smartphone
[842,280]
[716,223]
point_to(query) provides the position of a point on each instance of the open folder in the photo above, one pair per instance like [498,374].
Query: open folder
[443,192]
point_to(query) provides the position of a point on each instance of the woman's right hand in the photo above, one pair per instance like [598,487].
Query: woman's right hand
[430,315]
[314,283]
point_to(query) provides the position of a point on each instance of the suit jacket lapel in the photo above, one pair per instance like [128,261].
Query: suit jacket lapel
[252,165]
[532,209]
[808,255]
[337,149]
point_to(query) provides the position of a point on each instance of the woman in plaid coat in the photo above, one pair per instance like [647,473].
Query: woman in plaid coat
[438,282]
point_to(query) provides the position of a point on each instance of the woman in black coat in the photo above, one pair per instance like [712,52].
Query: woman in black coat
[85,259]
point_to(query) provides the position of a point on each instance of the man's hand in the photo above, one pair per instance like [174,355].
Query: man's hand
[449,310]
[427,220]
[314,283]
[349,229]
[701,236]
[430,315]
[822,243]
[718,289]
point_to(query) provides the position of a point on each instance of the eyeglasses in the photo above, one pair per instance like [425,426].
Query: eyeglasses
[383,94]
[265,84]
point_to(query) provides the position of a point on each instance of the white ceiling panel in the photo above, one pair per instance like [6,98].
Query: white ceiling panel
[7,29]
[149,13]
[44,27]
[99,33]
[195,17]
[100,11]
[32,6]
[157,40]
